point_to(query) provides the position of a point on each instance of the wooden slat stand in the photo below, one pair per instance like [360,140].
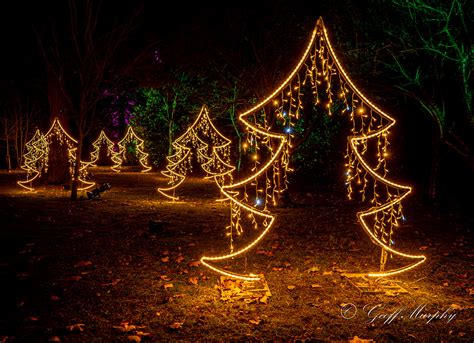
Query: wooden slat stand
[367,285]
[248,291]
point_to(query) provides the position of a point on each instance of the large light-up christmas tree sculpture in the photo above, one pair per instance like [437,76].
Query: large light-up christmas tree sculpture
[34,160]
[43,149]
[320,75]
[132,138]
[212,150]
[109,144]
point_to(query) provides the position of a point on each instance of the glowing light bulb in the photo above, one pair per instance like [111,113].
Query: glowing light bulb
[258,202]
[275,102]
[288,129]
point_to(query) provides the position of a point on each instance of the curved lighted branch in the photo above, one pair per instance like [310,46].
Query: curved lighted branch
[34,160]
[315,70]
[131,137]
[200,136]
[41,152]
[103,139]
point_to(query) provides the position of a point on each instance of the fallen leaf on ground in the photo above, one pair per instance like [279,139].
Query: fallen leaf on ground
[176,325]
[165,259]
[339,270]
[134,338]
[456,307]
[193,280]
[291,287]
[194,264]
[33,319]
[113,283]
[180,259]
[76,327]
[143,334]
[277,269]
[126,327]
[327,273]
[74,278]
[54,298]
[83,264]
[264,252]
[312,270]
[168,285]
[315,285]
[360,340]
[424,247]
[165,277]
[255,321]
[191,244]
[52,339]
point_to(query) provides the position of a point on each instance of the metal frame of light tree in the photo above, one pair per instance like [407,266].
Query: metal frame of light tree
[57,129]
[131,137]
[103,139]
[216,166]
[319,65]
[33,160]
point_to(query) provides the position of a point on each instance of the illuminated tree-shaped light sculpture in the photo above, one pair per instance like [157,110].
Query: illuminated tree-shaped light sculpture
[212,153]
[35,159]
[57,134]
[132,138]
[109,144]
[320,73]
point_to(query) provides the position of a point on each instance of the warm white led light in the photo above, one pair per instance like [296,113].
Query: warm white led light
[318,65]
[212,151]
[131,137]
[40,154]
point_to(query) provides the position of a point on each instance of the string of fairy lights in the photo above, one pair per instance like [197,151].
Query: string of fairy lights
[320,73]
[131,138]
[95,153]
[212,151]
[34,160]
[38,151]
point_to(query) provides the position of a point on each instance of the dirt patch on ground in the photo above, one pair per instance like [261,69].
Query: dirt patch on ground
[92,270]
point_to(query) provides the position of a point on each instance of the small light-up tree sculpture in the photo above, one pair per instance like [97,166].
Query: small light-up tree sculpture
[212,151]
[319,75]
[41,155]
[35,159]
[132,138]
[95,154]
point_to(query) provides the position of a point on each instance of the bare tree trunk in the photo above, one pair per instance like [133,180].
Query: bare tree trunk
[7,140]
[80,140]
[170,137]
[77,167]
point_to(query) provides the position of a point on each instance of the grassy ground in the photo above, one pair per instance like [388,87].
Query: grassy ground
[92,271]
